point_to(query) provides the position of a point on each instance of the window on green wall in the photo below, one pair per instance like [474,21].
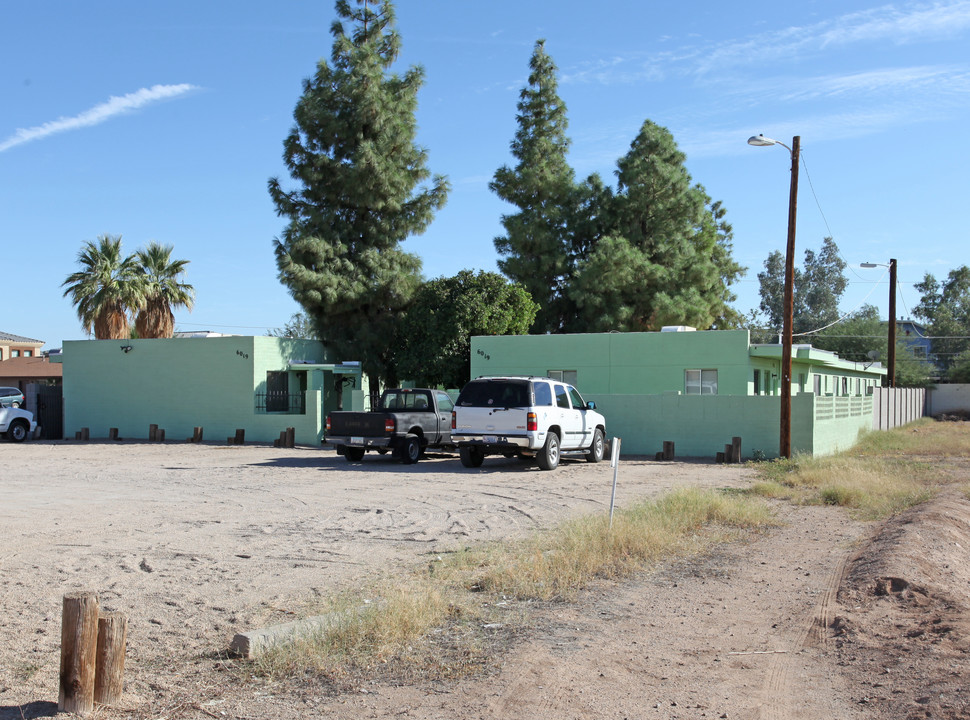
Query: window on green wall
[757,382]
[700,382]
[817,384]
[566,376]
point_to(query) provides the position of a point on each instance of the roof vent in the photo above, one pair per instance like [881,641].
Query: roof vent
[678,328]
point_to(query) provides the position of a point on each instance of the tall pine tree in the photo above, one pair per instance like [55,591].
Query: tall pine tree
[360,189]
[534,248]
[666,256]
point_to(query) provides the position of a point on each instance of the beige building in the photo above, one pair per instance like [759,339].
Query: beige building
[15,346]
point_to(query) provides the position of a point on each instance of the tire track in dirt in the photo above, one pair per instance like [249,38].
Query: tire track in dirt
[813,631]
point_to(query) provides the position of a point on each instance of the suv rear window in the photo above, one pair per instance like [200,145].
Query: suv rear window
[496,393]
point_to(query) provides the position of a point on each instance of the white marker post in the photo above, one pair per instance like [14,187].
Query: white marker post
[615,464]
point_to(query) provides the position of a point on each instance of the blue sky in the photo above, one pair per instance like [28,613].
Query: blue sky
[164,120]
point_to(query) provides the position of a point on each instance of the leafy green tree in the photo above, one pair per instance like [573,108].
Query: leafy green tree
[105,289]
[818,288]
[535,248]
[960,369]
[299,326]
[161,288]
[862,337]
[434,338]
[666,256]
[912,371]
[360,190]
[946,309]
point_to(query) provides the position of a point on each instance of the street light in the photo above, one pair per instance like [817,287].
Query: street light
[784,439]
[892,316]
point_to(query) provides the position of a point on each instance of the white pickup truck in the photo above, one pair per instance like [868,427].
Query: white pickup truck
[16,424]
[525,416]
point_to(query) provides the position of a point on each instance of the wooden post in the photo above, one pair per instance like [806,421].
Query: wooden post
[197,434]
[290,437]
[109,677]
[77,435]
[668,449]
[160,435]
[152,432]
[85,434]
[719,457]
[79,643]
[112,433]
[240,438]
[736,449]
[728,457]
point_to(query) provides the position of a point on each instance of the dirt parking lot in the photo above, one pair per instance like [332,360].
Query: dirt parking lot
[198,542]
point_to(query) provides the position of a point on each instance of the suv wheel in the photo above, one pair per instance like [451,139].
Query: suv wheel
[548,457]
[354,454]
[597,448]
[17,432]
[471,457]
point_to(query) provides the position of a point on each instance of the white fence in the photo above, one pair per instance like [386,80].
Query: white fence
[892,407]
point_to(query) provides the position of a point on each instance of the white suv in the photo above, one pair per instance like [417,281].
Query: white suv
[525,416]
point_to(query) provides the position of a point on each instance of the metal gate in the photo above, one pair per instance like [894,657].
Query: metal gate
[50,412]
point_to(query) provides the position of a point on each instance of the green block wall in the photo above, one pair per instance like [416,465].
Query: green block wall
[181,383]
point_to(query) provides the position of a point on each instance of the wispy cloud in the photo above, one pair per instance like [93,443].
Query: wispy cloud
[98,114]
[913,23]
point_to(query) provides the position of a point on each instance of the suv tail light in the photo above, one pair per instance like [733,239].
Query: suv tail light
[453,420]
[532,422]
[327,425]
[389,425]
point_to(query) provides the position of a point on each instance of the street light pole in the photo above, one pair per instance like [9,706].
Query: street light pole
[892,322]
[891,370]
[784,437]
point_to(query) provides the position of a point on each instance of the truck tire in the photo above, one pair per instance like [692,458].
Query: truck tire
[548,457]
[597,448]
[354,454]
[471,457]
[411,450]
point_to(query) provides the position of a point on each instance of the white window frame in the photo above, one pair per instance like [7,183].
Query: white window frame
[563,376]
[700,381]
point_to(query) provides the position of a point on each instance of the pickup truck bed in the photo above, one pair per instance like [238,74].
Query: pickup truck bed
[406,422]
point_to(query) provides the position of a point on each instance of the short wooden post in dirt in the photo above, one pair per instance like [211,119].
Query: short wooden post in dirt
[196,434]
[79,643]
[112,433]
[719,457]
[240,438]
[736,449]
[160,435]
[668,449]
[290,437]
[152,432]
[109,677]
[85,434]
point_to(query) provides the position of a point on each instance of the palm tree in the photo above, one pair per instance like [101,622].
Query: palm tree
[161,291]
[105,289]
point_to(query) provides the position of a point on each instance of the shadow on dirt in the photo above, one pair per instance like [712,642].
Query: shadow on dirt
[37,709]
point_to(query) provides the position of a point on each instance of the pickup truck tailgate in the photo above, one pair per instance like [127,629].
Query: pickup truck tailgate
[365,424]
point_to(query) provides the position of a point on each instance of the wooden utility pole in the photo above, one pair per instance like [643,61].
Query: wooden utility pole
[892,323]
[784,438]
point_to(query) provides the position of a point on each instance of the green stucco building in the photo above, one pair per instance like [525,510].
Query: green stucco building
[697,389]
[261,385]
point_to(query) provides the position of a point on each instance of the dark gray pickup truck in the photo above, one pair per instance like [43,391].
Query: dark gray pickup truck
[405,422]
